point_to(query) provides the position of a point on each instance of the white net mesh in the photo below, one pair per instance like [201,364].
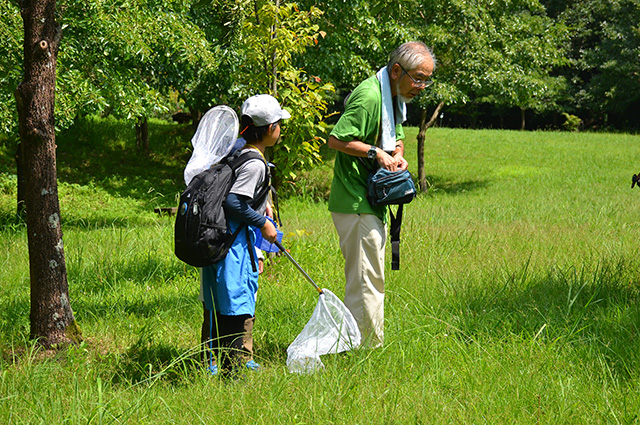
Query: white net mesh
[214,139]
[331,329]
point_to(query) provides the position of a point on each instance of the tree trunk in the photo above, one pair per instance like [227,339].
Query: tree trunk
[142,134]
[52,320]
[274,69]
[522,120]
[424,125]
[196,116]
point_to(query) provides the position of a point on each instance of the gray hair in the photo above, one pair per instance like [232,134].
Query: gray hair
[410,54]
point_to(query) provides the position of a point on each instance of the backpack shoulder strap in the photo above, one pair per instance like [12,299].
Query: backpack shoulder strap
[251,154]
[239,157]
[236,161]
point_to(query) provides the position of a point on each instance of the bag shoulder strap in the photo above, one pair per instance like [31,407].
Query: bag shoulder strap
[370,165]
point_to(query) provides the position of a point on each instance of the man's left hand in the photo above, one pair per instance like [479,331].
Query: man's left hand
[401,162]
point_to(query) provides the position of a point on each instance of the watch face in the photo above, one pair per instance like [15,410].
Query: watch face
[372,152]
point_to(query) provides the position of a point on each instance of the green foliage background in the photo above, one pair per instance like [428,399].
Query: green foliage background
[152,58]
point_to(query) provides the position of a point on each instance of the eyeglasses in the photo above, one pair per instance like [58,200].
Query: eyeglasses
[417,83]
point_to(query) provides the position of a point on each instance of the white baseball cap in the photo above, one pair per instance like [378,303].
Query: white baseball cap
[264,109]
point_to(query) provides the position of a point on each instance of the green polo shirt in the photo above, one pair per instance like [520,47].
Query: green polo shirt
[360,121]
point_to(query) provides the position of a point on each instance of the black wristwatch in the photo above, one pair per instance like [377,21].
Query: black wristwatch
[372,152]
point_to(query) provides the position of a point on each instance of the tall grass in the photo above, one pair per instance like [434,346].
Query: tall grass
[517,300]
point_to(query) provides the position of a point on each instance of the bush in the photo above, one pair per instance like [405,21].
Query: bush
[572,122]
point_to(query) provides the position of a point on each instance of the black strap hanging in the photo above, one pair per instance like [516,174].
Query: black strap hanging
[396,224]
[252,253]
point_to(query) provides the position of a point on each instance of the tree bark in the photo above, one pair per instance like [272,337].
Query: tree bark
[142,134]
[274,65]
[424,125]
[522,118]
[51,317]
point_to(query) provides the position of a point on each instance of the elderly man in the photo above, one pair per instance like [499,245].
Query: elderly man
[369,134]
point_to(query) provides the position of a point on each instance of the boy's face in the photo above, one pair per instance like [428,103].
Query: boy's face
[273,135]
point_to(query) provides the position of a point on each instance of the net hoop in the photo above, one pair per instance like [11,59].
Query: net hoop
[214,139]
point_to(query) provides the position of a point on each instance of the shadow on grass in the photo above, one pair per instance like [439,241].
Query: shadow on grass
[439,185]
[103,152]
[14,318]
[10,221]
[596,313]
[272,350]
[150,361]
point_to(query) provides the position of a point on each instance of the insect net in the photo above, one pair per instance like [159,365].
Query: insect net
[215,138]
[331,329]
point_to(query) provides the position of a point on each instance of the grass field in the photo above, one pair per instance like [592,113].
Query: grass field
[518,298]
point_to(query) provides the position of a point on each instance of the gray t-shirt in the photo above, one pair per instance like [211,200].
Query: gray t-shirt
[251,176]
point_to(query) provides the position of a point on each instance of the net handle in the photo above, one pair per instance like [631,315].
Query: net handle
[295,263]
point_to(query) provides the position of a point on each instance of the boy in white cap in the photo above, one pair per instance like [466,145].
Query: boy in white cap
[230,286]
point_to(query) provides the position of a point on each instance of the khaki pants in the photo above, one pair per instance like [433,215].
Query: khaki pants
[362,242]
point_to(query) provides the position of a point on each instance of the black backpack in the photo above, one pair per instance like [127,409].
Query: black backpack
[201,231]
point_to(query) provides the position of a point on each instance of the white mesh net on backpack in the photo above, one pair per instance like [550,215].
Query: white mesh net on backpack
[214,139]
[331,329]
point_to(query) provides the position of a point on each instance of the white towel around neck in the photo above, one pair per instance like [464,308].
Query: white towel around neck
[388,124]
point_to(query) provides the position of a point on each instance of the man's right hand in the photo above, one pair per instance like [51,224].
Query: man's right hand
[386,161]
[358,148]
